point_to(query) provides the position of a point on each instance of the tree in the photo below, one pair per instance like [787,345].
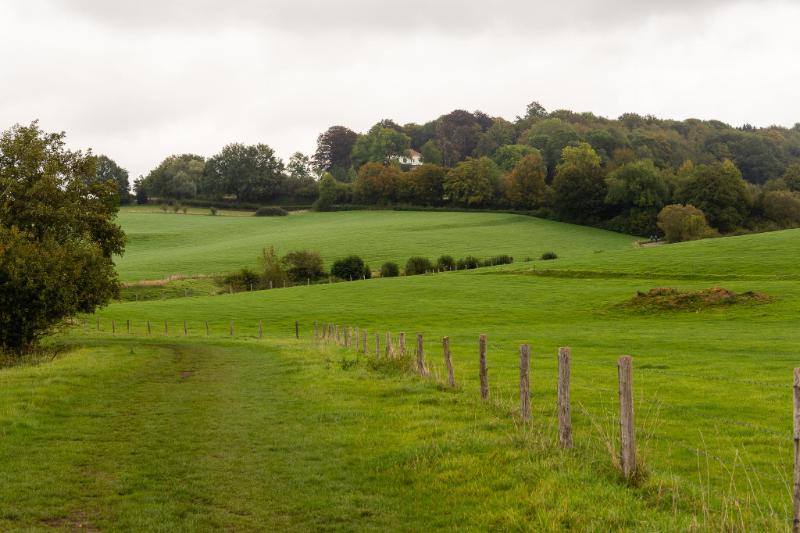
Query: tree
[500,133]
[431,153]
[327,193]
[509,155]
[418,265]
[176,177]
[350,268]
[782,207]
[57,235]
[251,173]
[302,265]
[376,183]
[637,184]
[472,183]
[683,223]
[579,189]
[109,170]
[792,177]
[273,274]
[720,192]
[525,186]
[379,145]
[550,136]
[457,135]
[427,184]
[334,147]
[390,270]
[300,180]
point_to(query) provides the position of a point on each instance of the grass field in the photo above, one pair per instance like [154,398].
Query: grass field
[161,245]
[278,433]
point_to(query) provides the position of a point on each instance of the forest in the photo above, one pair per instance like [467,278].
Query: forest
[621,174]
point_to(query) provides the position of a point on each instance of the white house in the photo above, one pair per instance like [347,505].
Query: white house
[411,158]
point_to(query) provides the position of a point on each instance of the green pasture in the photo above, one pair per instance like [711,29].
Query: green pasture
[189,432]
[162,245]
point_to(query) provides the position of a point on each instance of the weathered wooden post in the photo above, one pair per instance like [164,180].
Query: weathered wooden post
[148,327]
[448,362]
[231,328]
[564,418]
[377,345]
[185,329]
[356,338]
[113,326]
[296,330]
[401,344]
[270,284]
[389,349]
[796,491]
[261,329]
[166,328]
[284,284]
[627,435]
[98,323]
[484,377]
[206,328]
[364,342]
[524,382]
[346,336]
[421,356]
[128,325]
[316,335]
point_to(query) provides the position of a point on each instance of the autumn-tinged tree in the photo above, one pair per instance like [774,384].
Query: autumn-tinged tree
[579,188]
[57,235]
[525,185]
[426,183]
[683,223]
[550,136]
[720,192]
[377,183]
[472,183]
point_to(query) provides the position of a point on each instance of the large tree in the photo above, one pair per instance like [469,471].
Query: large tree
[109,170]
[57,235]
[525,185]
[334,147]
[176,177]
[457,135]
[379,144]
[720,192]
[578,186]
[252,173]
[472,183]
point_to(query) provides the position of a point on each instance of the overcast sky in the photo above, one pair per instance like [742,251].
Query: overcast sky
[139,80]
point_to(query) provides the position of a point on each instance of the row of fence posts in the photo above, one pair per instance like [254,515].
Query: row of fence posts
[231,328]
[343,335]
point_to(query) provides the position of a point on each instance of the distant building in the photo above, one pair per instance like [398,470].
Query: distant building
[410,158]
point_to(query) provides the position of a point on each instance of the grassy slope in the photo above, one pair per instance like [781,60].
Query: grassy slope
[161,245]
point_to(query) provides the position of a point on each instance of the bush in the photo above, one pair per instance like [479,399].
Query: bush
[184,210]
[549,256]
[390,270]
[302,265]
[176,208]
[245,279]
[271,211]
[213,211]
[468,263]
[273,269]
[446,262]
[350,268]
[498,260]
[683,223]
[418,265]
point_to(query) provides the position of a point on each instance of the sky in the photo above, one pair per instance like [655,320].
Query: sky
[141,80]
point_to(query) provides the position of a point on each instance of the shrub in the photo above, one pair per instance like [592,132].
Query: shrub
[446,262]
[418,265]
[302,265]
[245,279]
[350,268]
[184,210]
[390,270]
[683,223]
[549,256]
[468,263]
[213,211]
[498,260]
[176,208]
[271,211]
[273,269]
[782,207]
[164,207]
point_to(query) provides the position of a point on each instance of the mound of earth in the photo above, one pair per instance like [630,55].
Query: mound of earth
[673,299]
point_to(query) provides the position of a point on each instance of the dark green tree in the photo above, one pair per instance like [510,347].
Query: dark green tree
[327,193]
[350,268]
[109,170]
[251,173]
[579,188]
[472,183]
[177,177]
[720,192]
[57,235]
[334,147]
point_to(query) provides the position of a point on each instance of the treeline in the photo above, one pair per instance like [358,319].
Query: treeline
[577,167]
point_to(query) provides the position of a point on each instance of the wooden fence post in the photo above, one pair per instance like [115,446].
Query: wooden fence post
[128,325]
[483,371]
[113,326]
[421,356]
[98,323]
[166,328]
[206,328]
[231,328]
[448,363]
[316,335]
[346,336]
[401,344]
[261,329]
[564,418]
[364,342]
[389,349]
[524,382]
[627,435]
[185,329]
[148,327]
[377,345]
[356,338]
[796,491]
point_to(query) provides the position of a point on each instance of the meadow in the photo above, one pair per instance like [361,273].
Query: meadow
[173,432]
